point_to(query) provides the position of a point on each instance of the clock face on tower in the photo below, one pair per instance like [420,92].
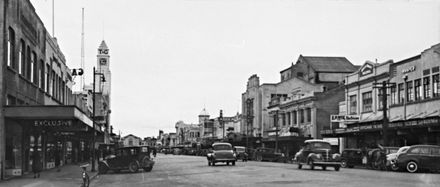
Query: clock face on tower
[103,61]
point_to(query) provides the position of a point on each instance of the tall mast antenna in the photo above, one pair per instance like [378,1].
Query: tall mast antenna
[82,51]
[53,18]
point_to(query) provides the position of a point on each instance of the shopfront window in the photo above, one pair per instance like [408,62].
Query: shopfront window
[380,99]
[401,93]
[409,91]
[426,88]
[393,95]
[367,102]
[417,89]
[13,147]
[436,85]
[353,104]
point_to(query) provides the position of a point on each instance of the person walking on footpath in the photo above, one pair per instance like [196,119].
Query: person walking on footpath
[57,159]
[36,163]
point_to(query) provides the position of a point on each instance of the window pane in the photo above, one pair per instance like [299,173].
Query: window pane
[367,101]
[426,88]
[435,85]
[417,89]
[409,91]
[353,104]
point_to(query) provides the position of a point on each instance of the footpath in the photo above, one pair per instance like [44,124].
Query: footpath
[69,175]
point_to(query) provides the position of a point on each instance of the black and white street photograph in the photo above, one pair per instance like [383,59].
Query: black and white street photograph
[201,93]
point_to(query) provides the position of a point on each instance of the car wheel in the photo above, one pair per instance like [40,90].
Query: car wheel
[233,163]
[148,169]
[209,163]
[259,158]
[394,167]
[344,163]
[213,163]
[133,167]
[312,166]
[299,166]
[227,163]
[412,167]
[102,169]
[324,167]
[336,168]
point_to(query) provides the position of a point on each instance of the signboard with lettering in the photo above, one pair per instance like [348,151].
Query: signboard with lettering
[344,118]
[409,69]
[53,123]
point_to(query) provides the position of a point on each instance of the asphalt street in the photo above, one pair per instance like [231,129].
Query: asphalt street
[179,170]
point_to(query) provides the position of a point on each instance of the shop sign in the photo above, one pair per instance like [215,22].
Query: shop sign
[396,124]
[366,127]
[53,123]
[353,129]
[409,69]
[428,121]
[410,123]
[340,130]
[344,118]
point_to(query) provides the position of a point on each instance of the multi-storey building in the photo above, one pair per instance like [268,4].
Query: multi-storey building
[39,115]
[309,75]
[187,133]
[412,103]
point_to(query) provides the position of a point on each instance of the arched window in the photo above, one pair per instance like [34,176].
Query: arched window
[21,57]
[33,67]
[11,47]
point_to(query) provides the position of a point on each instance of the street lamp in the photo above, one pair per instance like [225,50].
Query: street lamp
[93,116]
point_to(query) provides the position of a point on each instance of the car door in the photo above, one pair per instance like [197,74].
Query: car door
[306,151]
[435,158]
[114,162]
[424,157]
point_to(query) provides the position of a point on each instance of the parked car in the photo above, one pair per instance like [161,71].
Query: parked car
[221,152]
[268,154]
[351,158]
[419,157]
[131,158]
[241,153]
[318,153]
[392,157]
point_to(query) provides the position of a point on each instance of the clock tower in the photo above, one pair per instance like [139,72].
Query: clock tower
[103,60]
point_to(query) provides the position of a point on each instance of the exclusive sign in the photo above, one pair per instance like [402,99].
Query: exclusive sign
[344,118]
[53,123]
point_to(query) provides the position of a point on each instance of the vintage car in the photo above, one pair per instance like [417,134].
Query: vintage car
[418,157]
[221,152]
[317,153]
[351,158]
[240,152]
[269,154]
[392,157]
[132,158]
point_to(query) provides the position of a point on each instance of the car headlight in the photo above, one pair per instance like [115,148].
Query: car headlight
[335,156]
[282,154]
[318,156]
[234,154]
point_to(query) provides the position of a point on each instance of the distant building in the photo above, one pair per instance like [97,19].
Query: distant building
[308,76]
[187,133]
[131,140]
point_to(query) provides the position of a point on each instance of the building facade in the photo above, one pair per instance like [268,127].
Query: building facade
[412,103]
[131,140]
[39,112]
[308,76]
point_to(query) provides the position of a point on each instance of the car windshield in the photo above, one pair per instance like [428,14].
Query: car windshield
[321,145]
[402,150]
[222,147]
[239,149]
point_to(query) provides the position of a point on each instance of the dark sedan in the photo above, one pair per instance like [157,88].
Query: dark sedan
[131,158]
[419,157]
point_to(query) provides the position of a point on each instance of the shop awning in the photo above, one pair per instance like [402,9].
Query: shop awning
[52,115]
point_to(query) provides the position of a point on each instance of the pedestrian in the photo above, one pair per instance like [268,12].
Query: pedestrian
[85,176]
[36,163]
[154,152]
[57,160]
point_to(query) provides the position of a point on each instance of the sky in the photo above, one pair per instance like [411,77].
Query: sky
[169,59]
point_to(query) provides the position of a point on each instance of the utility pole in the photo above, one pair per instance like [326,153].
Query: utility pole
[383,87]
[93,115]
[276,131]
[220,119]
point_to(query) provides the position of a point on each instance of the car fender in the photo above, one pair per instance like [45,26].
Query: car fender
[104,162]
[312,156]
